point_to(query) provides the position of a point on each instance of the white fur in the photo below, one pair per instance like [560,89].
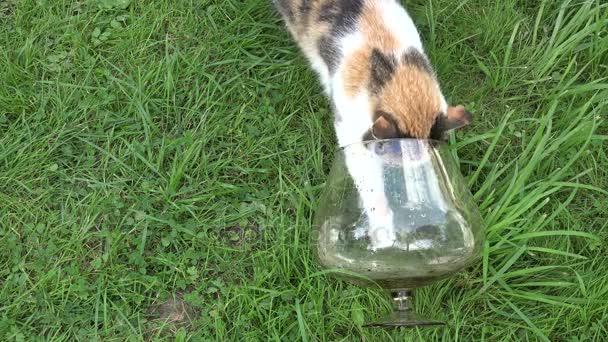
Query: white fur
[401,24]
[321,67]
[353,113]
[318,65]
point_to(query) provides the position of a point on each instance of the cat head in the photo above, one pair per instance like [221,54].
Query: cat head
[407,101]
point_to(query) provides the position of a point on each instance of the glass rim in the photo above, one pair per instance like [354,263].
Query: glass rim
[430,142]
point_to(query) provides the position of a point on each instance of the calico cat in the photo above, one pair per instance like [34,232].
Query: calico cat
[372,66]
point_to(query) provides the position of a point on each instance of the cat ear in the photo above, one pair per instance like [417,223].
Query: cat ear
[384,128]
[382,68]
[457,117]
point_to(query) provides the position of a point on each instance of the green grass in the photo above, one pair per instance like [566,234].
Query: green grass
[160,165]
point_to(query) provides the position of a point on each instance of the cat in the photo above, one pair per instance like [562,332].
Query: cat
[372,66]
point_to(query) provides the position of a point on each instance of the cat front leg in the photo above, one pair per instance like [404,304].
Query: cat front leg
[366,171]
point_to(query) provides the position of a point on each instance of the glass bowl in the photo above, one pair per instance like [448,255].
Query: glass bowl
[397,214]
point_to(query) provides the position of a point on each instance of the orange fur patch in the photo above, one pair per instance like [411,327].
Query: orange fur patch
[376,35]
[357,71]
[413,98]
[375,32]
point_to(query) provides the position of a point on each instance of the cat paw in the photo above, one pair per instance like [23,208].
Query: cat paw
[382,231]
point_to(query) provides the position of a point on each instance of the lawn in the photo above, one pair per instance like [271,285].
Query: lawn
[160,165]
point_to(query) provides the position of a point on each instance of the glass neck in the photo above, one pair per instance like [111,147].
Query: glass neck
[402,299]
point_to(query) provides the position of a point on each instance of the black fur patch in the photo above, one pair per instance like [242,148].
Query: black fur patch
[415,58]
[439,128]
[382,69]
[350,11]
[284,7]
[329,12]
[329,52]
[305,7]
[342,16]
